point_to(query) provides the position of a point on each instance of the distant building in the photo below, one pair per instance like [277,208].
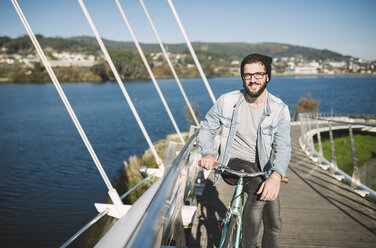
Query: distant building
[67,59]
[336,64]
[305,70]
[301,70]
[310,68]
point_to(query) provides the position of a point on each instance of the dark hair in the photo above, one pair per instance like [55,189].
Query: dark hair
[257,58]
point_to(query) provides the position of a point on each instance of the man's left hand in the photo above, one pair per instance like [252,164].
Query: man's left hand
[269,189]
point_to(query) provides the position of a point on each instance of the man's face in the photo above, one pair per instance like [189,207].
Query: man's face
[255,86]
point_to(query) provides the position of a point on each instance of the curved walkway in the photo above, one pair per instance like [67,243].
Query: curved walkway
[316,209]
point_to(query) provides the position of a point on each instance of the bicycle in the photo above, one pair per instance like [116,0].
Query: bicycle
[232,222]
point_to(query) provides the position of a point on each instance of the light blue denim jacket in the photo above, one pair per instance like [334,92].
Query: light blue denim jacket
[273,131]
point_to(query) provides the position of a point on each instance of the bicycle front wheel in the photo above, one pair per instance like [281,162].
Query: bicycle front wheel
[230,234]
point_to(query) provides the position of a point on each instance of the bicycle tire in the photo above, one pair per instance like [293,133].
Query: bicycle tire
[230,234]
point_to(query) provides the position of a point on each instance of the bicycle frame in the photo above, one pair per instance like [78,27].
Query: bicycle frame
[234,211]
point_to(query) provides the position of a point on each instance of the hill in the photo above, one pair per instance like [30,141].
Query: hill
[86,44]
[233,50]
[79,59]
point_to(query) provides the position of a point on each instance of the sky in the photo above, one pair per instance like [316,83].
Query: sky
[343,26]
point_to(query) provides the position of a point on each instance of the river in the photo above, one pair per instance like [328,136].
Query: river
[48,182]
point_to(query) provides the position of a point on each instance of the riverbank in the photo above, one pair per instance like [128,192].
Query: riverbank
[5,81]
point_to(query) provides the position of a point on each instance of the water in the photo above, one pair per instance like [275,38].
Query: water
[48,182]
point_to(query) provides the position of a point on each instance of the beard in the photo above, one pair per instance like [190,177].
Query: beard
[254,94]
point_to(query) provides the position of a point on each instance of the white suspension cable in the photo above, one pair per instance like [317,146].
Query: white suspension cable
[62,95]
[149,71]
[192,51]
[119,81]
[170,64]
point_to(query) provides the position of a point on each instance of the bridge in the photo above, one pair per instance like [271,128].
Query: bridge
[316,209]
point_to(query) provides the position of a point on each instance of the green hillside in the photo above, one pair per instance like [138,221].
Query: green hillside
[87,44]
[79,59]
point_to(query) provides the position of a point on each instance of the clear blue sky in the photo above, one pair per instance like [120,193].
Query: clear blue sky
[343,26]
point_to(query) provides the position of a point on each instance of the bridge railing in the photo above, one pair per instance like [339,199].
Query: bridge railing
[156,218]
[314,126]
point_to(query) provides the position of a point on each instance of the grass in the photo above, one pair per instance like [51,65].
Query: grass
[365,147]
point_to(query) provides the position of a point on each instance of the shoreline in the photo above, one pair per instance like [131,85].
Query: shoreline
[5,82]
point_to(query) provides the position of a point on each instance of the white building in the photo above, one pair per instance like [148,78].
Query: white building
[337,64]
[67,59]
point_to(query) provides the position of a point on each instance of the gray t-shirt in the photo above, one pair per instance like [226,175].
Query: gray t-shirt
[244,143]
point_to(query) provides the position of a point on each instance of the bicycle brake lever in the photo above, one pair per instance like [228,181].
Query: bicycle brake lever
[218,171]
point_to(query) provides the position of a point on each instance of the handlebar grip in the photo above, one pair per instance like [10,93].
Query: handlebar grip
[200,164]
[285,180]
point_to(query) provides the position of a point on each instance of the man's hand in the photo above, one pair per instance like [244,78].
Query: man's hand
[270,187]
[207,162]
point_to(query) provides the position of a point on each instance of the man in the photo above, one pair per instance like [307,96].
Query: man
[255,124]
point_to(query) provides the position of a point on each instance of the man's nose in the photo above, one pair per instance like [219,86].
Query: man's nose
[253,78]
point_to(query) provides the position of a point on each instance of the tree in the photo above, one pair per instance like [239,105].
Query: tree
[307,104]
[130,65]
[101,70]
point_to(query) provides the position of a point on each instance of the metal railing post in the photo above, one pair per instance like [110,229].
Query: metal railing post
[302,134]
[355,180]
[333,167]
[319,141]
[303,130]
[170,153]
[310,137]
[306,130]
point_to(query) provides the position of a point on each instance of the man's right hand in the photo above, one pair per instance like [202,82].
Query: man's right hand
[208,161]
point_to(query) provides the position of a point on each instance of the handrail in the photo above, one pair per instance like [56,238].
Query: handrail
[136,186]
[141,226]
[347,122]
[306,142]
[103,213]
[84,228]
[319,116]
[146,233]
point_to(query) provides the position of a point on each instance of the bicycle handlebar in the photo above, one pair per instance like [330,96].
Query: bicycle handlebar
[241,173]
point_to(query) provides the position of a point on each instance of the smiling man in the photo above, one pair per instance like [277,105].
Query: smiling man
[255,124]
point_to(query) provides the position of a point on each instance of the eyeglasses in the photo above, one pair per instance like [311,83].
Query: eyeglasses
[257,75]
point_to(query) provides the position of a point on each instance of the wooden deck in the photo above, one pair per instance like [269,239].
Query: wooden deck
[317,210]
